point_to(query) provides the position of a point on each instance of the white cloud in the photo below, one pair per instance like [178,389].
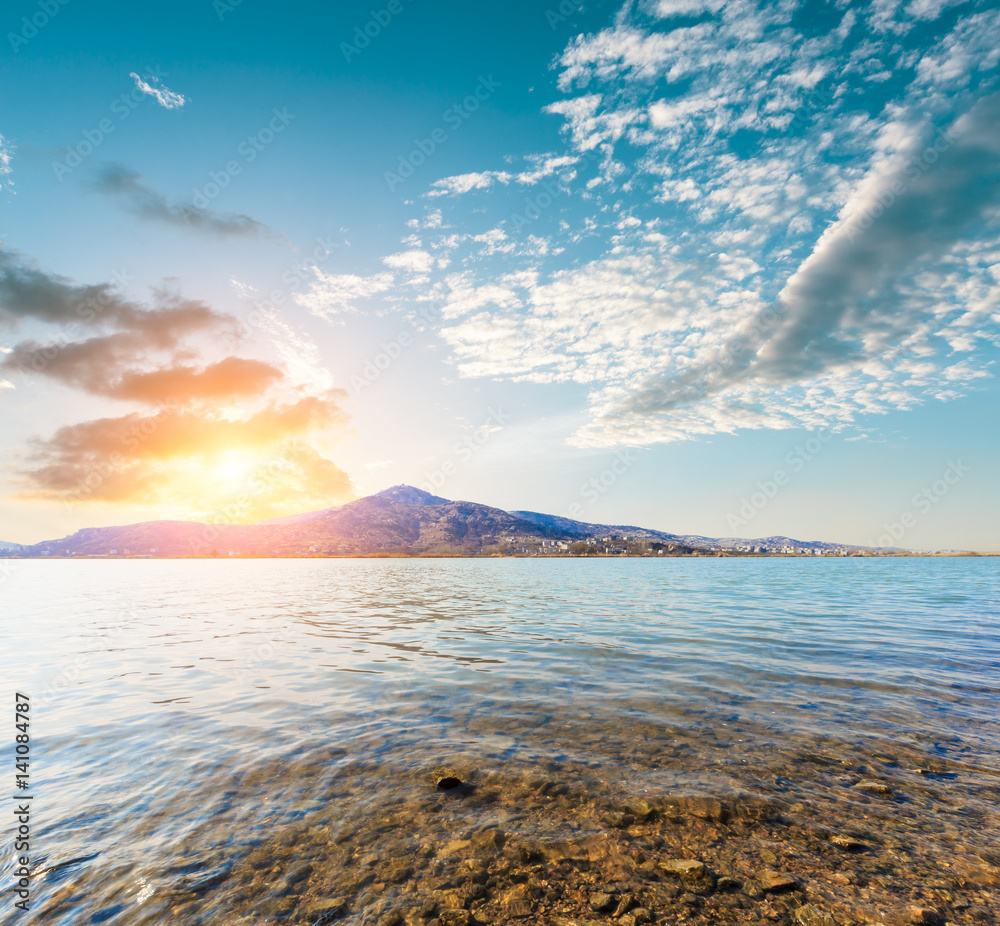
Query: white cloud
[330,294]
[541,166]
[6,384]
[745,241]
[5,158]
[666,9]
[415,261]
[463,183]
[162,94]
[304,368]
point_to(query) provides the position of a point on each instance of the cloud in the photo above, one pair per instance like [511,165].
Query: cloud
[332,294]
[163,95]
[788,227]
[588,127]
[303,364]
[185,457]
[222,424]
[540,167]
[665,9]
[907,213]
[100,366]
[118,181]
[464,183]
[414,261]
[28,292]
[5,169]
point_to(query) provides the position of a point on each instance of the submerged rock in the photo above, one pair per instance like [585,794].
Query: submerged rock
[879,788]
[813,916]
[692,874]
[924,916]
[851,845]
[602,903]
[776,882]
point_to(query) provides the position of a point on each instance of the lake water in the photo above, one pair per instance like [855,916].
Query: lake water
[260,741]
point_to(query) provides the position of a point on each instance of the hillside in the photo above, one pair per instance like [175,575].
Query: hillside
[401,520]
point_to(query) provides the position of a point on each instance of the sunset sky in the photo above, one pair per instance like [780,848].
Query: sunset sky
[727,269]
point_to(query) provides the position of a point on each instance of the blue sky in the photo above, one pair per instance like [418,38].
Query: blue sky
[729,269]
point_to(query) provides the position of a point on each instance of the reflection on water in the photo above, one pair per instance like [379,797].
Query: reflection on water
[259,741]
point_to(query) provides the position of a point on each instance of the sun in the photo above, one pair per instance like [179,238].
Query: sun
[233,466]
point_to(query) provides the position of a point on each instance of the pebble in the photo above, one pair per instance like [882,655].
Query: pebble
[625,903]
[602,903]
[456,918]
[879,788]
[692,873]
[813,916]
[851,845]
[924,916]
[775,882]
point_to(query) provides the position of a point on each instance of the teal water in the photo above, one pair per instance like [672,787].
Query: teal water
[183,708]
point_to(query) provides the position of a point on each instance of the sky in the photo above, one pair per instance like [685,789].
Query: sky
[730,269]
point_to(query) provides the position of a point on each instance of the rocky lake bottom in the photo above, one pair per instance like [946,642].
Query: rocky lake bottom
[465,746]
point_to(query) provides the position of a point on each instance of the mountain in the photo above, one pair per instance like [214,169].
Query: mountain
[402,520]
[408,495]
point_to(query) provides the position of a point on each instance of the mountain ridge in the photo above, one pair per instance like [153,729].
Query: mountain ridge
[404,520]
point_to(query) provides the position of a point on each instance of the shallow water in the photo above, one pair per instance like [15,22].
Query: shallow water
[260,740]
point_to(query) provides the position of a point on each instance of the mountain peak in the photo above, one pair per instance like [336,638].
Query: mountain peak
[409,495]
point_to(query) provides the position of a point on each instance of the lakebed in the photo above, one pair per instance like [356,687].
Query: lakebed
[706,741]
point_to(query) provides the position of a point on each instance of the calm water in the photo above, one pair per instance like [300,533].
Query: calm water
[192,716]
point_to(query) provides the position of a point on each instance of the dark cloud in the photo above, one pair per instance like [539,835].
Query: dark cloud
[99,366]
[28,292]
[127,186]
[112,346]
[854,276]
[139,353]
[852,300]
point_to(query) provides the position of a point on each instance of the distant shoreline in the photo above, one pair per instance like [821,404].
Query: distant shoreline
[709,554]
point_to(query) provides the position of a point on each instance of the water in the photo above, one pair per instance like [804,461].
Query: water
[260,740]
